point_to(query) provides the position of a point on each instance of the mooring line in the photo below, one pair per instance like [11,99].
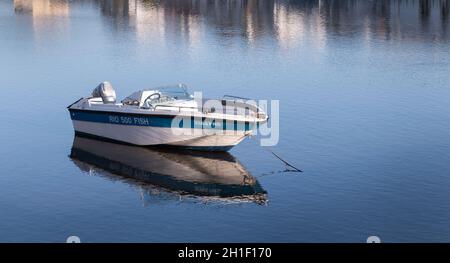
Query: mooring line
[285,162]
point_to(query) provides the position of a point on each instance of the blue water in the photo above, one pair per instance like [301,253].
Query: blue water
[364,90]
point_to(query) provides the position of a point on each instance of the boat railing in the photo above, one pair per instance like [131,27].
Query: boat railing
[234,97]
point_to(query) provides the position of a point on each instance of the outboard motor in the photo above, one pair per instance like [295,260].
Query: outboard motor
[106,92]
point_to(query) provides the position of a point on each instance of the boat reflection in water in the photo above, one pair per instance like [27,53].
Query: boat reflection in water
[167,172]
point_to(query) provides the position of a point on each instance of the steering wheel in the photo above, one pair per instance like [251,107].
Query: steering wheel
[154,96]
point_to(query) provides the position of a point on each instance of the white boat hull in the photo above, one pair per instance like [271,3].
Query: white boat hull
[148,135]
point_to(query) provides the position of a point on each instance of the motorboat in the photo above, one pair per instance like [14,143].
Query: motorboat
[206,174]
[166,115]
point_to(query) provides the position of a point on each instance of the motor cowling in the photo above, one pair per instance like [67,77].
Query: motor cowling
[106,92]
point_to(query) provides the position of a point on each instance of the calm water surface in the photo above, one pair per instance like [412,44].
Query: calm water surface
[364,90]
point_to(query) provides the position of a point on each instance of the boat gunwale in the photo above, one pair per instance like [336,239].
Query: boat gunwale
[168,115]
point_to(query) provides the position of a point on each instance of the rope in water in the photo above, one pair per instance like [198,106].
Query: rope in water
[285,162]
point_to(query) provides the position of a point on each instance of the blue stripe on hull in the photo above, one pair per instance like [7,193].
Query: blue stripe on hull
[164,121]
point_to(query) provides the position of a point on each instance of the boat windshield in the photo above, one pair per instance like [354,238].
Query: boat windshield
[158,95]
[178,92]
